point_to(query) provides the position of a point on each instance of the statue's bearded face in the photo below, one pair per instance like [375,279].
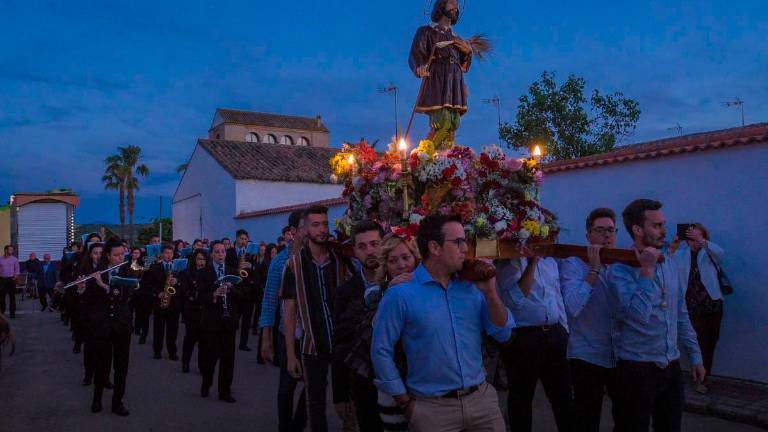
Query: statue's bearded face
[446,8]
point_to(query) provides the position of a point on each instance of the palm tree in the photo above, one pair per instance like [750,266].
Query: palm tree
[114,179]
[130,157]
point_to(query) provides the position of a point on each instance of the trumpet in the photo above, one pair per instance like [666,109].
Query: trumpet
[71,284]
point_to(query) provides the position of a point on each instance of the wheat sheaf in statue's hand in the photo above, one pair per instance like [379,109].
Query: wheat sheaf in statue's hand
[476,270]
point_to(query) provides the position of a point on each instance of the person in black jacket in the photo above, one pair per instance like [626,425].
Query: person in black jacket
[219,323]
[350,390]
[89,263]
[166,320]
[249,286]
[198,273]
[67,274]
[107,324]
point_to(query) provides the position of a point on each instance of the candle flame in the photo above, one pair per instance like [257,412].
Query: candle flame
[351,159]
[537,151]
[402,145]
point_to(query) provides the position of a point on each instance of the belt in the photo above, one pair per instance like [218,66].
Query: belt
[536,329]
[648,364]
[459,393]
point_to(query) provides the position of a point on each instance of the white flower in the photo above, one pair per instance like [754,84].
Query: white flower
[523,234]
[500,226]
[415,218]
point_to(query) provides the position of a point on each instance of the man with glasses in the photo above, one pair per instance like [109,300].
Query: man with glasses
[590,306]
[440,321]
[530,288]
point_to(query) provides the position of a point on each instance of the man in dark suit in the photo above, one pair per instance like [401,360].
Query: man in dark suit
[166,319]
[48,280]
[106,321]
[34,269]
[219,323]
[240,260]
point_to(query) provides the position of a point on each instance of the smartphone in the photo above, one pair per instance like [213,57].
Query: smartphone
[682,230]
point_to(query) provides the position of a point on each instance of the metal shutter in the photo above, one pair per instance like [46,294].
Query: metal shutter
[42,229]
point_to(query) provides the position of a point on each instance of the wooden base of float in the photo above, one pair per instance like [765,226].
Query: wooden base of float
[506,249]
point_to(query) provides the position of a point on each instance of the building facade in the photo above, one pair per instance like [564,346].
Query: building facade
[42,222]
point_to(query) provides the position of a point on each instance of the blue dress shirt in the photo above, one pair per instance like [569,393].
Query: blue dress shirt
[441,331]
[653,316]
[270,301]
[590,312]
[544,304]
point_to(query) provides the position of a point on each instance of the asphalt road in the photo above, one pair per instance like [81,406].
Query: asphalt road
[40,390]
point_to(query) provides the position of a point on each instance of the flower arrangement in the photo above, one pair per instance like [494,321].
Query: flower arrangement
[495,195]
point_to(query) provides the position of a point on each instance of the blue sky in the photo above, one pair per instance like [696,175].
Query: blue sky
[79,78]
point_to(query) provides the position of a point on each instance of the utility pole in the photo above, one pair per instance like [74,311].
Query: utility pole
[392,89]
[160,221]
[736,103]
[678,129]
[497,103]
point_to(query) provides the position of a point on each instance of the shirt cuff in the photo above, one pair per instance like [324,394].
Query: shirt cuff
[502,334]
[392,387]
[694,358]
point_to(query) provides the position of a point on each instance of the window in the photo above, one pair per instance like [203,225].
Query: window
[270,139]
[251,137]
[304,142]
[286,140]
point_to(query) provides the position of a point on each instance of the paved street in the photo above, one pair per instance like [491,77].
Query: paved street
[40,390]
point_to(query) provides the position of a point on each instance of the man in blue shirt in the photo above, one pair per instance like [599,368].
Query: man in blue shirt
[590,307]
[653,319]
[288,420]
[440,321]
[530,287]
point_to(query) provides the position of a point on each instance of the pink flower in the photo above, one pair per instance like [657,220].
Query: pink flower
[514,164]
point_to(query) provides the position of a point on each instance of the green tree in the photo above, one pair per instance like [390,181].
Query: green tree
[566,123]
[154,229]
[114,179]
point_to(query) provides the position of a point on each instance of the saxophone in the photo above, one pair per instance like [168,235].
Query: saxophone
[243,272]
[168,292]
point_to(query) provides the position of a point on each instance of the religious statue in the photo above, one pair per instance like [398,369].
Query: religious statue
[440,59]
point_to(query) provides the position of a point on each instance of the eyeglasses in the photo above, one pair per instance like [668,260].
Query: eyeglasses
[458,241]
[605,230]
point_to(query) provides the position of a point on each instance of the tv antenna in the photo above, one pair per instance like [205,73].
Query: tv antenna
[495,101]
[678,129]
[736,103]
[392,89]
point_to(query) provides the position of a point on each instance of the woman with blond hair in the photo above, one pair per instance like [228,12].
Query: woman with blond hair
[398,257]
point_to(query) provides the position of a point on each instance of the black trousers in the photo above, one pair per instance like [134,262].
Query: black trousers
[142,320]
[537,353]
[166,326]
[104,353]
[8,288]
[366,400]
[288,420]
[707,328]
[645,391]
[43,292]
[246,315]
[316,379]
[192,337]
[219,348]
[590,382]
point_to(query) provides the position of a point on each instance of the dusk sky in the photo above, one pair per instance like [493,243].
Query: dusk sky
[78,78]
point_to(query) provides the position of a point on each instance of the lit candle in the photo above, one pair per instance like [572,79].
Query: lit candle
[537,152]
[351,164]
[403,147]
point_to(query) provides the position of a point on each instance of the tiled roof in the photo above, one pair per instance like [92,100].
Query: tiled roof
[285,209]
[726,138]
[271,120]
[271,162]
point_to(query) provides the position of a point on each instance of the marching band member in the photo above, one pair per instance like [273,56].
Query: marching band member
[197,274]
[219,323]
[107,324]
[239,258]
[159,278]
[88,264]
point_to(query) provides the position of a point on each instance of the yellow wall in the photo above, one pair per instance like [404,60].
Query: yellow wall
[5,226]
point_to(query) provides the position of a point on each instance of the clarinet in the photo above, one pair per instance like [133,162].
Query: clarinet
[224,304]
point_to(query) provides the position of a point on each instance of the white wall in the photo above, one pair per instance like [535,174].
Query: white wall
[208,184]
[268,228]
[727,191]
[254,195]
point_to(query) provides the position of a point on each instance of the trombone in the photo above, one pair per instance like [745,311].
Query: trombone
[91,276]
